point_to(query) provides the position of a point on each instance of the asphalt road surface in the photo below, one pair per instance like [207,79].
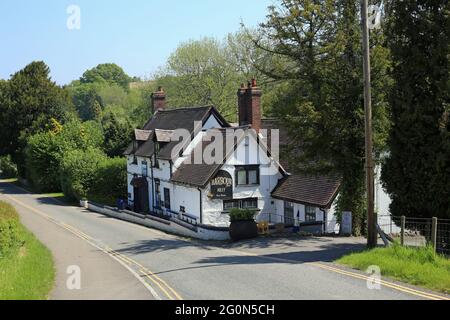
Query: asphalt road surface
[120,260]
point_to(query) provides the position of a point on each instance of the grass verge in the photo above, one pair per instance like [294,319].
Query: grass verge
[417,266]
[26,266]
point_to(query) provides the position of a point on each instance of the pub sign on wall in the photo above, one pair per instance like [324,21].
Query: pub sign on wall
[222,186]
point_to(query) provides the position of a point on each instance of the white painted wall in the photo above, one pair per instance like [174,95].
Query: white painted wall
[188,198]
[246,154]
[211,123]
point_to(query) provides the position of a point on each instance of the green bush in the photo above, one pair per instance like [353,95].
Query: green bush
[8,169]
[79,172]
[9,230]
[242,214]
[111,182]
[45,151]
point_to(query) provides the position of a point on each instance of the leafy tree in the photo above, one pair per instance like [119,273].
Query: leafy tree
[117,134]
[316,51]
[417,169]
[32,99]
[107,73]
[45,150]
[200,73]
[87,100]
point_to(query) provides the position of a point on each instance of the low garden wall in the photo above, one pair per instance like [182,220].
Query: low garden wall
[172,225]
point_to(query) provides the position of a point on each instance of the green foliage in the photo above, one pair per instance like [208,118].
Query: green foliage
[242,214]
[208,72]
[27,273]
[90,174]
[417,170]
[418,266]
[117,134]
[316,50]
[45,151]
[78,172]
[87,100]
[107,73]
[8,168]
[111,182]
[9,232]
[28,101]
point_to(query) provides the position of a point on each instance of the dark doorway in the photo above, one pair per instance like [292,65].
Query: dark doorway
[140,192]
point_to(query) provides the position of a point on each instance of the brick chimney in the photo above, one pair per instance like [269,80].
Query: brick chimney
[158,100]
[249,105]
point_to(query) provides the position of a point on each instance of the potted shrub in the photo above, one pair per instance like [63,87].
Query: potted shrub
[243,225]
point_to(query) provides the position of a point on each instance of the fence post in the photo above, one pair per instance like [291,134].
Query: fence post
[402,234]
[434,233]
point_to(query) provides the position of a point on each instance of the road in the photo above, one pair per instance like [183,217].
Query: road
[120,260]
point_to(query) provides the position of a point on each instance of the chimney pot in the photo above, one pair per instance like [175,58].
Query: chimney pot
[249,105]
[158,100]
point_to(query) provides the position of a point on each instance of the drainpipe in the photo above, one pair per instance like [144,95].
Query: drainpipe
[325,218]
[201,206]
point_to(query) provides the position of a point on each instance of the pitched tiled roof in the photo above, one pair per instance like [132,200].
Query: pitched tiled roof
[200,174]
[167,120]
[312,190]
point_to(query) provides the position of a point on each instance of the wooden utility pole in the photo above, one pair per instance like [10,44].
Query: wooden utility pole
[371,218]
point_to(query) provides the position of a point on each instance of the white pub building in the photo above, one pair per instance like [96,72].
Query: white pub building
[166,178]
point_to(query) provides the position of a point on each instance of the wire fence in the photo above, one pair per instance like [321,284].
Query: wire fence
[418,232]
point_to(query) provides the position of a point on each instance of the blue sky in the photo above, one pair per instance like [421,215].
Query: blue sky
[138,35]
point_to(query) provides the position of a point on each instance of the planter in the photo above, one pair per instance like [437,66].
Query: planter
[244,229]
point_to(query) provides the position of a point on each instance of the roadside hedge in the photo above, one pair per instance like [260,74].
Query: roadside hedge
[9,230]
[90,174]
[111,182]
[78,172]
[45,151]
[7,167]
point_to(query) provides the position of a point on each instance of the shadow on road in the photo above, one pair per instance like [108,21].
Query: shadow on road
[274,252]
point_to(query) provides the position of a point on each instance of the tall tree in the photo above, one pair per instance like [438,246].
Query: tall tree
[320,60]
[199,73]
[417,170]
[109,73]
[32,100]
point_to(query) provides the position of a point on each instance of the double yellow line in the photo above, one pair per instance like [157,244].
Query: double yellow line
[392,285]
[422,294]
[168,291]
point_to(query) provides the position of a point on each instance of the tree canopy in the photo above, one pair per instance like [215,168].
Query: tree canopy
[417,169]
[317,53]
[109,73]
[28,101]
